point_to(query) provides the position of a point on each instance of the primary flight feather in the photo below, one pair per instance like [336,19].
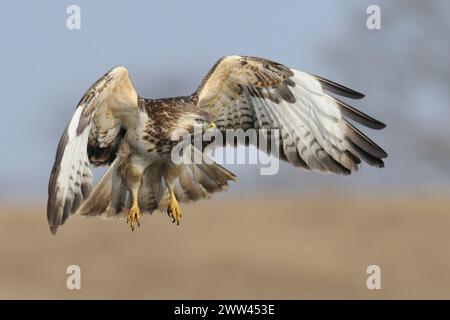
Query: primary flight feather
[112,126]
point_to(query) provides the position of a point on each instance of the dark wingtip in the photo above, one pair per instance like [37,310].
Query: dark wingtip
[53,219]
[380,126]
[357,95]
[357,115]
[351,93]
[362,141]
[53,229]
[338,89]
[373,124]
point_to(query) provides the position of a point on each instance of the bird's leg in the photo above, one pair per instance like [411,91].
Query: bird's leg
[134,215]
[132,173]
[174,210]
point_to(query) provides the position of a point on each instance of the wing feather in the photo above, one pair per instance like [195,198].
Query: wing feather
[92,136]
[249,92]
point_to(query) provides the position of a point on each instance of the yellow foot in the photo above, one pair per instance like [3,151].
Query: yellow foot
[134,216]
[174,210]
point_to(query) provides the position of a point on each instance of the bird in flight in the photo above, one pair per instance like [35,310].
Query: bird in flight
[113,126]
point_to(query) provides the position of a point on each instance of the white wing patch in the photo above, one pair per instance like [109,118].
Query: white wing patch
[316,124]
[74,163]
[71,178]
[314,131]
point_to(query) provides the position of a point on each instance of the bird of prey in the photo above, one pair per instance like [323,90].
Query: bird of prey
[113,126]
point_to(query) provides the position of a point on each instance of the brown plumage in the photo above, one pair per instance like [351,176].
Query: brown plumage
[113,126]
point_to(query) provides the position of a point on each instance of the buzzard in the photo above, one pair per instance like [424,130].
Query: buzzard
[113,126]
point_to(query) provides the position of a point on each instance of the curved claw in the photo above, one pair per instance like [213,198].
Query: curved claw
[134,216]
[174,210]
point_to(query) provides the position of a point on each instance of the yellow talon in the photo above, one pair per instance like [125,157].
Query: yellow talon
[174,210]
[134,215]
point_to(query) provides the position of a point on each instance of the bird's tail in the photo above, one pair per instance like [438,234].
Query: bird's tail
[112,198]
[108,191]
[195,181]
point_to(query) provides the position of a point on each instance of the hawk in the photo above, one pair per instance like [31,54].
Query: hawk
[113,126]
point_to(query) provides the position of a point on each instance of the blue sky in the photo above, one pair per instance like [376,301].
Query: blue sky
[168,46]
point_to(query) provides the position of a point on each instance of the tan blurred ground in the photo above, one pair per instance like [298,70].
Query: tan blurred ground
[294,248]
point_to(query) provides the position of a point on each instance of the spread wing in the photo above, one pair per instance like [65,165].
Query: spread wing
[91,137]
[249,92]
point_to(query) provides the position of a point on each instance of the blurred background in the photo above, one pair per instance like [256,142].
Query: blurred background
[292,235]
